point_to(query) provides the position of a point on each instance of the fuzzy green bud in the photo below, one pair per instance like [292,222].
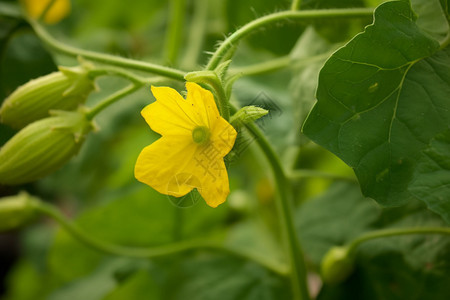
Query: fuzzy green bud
[247,114]
[63,90]
[42,147]
[16,211]
[337,265]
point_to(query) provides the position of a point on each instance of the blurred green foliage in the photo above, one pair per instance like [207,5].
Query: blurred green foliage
[98,190]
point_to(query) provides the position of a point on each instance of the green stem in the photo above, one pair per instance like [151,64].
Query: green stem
[139,80]
[296,4]
[300,174]
[285,210]
[175,30]
[105,58]
[395,232]
[196,34]
[112,99]
[174,248]
[222,100]
[284,16]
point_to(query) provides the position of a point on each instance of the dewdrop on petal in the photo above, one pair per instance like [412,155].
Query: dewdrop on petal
[43,147]
[63,90]
[16,210]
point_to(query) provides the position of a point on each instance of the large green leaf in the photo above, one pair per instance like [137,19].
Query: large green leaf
[381,98]
[400,267]
[432,178]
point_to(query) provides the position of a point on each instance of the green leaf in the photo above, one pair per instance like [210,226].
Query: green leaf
[210,277]
[336,30]
[325,221]
[98,284]
[401,267]
[139,285]
[381,98]
[22,58]
[431,182]
[146,225]
[312,48]
[278,40]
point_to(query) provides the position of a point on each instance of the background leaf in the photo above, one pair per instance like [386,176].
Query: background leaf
[431,182]
[197,278]
[400,267]
[376,99]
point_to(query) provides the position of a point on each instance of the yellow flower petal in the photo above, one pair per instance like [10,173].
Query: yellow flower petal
[165,164]
[203,102]
[170,114]
[211,170]
[176,163]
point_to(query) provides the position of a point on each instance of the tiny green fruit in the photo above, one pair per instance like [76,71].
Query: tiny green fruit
[337,265]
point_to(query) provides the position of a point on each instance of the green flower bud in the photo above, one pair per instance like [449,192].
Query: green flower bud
[336,265]
[42,147]
[247,114]
[16,211]
[63,90]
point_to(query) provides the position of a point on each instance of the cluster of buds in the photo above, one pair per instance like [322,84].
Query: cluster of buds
[53,125]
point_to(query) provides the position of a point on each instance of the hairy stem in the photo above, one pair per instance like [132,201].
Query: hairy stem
[296,4]
[284,16]
[285,210]
[395,232]
[174,248]
[94,73]
[105,58]
[112,99]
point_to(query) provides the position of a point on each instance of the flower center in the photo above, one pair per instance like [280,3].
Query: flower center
[200,135]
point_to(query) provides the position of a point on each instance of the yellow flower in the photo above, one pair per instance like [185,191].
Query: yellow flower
[195,139]
[59,10]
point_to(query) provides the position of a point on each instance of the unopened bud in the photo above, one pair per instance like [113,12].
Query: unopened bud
[15,211]
[247,114]
[336,265]
[63,90]
[42,147]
